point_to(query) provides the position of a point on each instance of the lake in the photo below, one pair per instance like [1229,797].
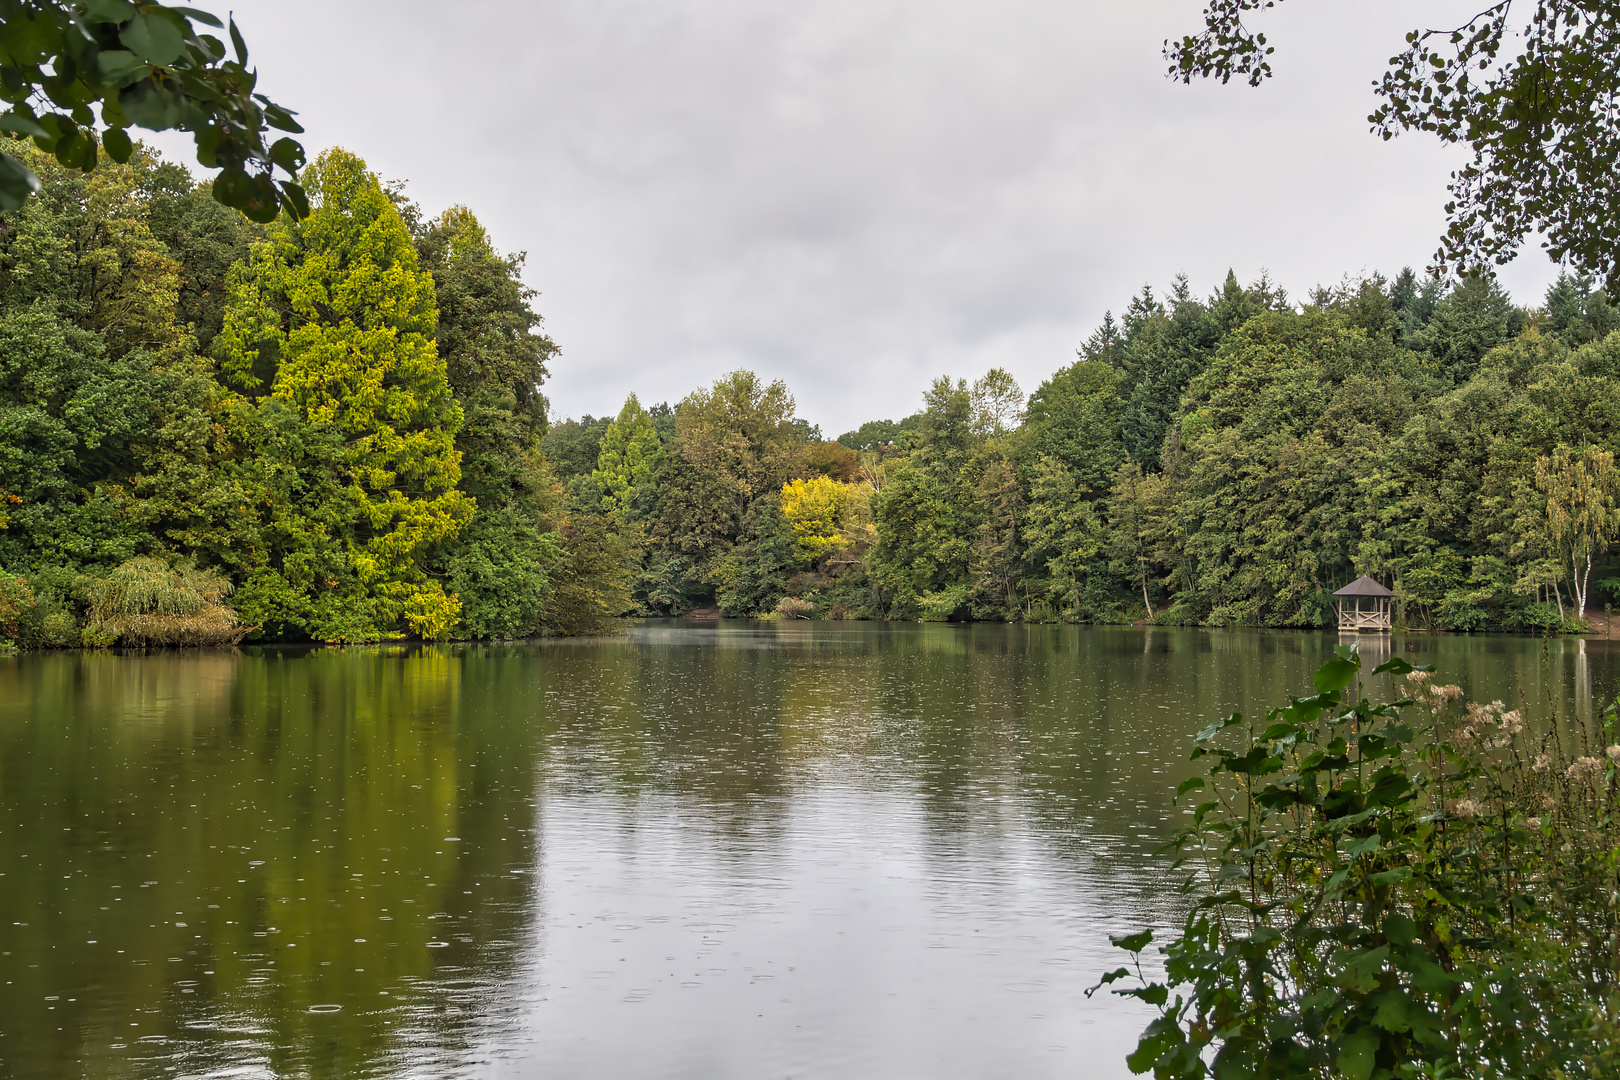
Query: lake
[697,850]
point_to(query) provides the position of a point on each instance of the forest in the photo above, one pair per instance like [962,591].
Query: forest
[333,429]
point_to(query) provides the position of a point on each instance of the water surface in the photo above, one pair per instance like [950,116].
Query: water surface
[710,851]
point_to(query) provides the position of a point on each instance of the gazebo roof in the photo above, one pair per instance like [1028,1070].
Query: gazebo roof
[1364,586]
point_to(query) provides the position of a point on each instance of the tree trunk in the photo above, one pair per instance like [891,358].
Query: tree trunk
[1557,593]
[1145,601]
[1580,597]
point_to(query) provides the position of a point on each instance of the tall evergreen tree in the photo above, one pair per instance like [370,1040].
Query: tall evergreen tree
[1469,322]
[502,563]
[334,316]
[1164,353]
[629,460]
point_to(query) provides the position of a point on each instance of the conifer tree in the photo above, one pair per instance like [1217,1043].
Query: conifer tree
[331,321]
[628,459]
[503,563]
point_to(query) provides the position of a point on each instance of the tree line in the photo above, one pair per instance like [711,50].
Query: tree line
[325,428]
[332,428]
[1221,460]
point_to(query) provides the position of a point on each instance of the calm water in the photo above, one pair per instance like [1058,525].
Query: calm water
[751,850]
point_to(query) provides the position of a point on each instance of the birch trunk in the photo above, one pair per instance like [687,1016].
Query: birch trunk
[1584,577]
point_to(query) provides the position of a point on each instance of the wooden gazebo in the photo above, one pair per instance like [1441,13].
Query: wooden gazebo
[1352,616]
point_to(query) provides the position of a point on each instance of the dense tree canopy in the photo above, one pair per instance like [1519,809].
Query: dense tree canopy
[335,425]
[501,564]
[1222,460]
[334,428]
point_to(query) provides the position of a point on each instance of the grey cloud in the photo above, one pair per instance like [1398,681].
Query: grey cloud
[855,196]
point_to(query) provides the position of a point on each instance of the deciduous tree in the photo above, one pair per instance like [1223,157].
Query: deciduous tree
[1532,95]
[144,65]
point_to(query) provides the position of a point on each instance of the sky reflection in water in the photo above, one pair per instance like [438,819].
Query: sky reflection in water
[745,850]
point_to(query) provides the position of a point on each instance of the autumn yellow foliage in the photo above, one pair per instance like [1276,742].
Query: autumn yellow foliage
[822,513]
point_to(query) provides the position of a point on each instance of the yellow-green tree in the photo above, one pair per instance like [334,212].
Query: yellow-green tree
[629,457]
[815,509]
[1583,510]
[330,326]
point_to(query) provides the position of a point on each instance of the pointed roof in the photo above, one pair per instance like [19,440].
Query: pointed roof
[1364,586]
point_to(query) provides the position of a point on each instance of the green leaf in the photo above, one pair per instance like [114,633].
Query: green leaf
[198,16]
[154,39]
[1157,1039]
[111,11]
[1191,784]
[1131,942]
[117,144]
[1395,666]
[16,183]
[18,124]
[288,154]
[232,188]
[281,119]
[70,150]
[1335,675]
[1112,976]
[29,41]
[1154,994]
[148,105]
[240,45]
[263,203]
[1360,972]
[1400,929]
[57,127]
[207,140]
[294,199]
[1393,1011]
[1257,762]
[118,67]
[1218,726]
[1358,1054]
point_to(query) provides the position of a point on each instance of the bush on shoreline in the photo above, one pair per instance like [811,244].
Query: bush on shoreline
[146,601]
[1416,888]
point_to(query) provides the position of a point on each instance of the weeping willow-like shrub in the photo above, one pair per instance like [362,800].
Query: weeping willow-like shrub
[146,601]
[795,607]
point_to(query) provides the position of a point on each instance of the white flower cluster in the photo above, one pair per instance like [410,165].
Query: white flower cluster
[1438,697]
[1492,724]
[1584,768]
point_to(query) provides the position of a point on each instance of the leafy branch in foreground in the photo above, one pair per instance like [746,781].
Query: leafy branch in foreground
[1540,109]
[145,65]
[1416,888]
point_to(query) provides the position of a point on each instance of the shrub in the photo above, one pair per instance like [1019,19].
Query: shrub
[146,601]
[1419,888]
[16,600]
[794,607]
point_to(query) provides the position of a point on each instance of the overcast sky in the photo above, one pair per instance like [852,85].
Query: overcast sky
[858,195]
